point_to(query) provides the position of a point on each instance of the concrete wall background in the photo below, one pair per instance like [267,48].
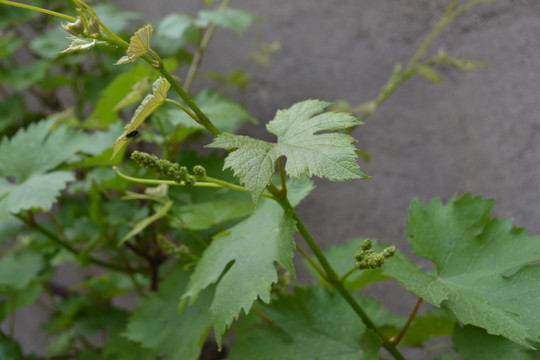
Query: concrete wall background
[478,131]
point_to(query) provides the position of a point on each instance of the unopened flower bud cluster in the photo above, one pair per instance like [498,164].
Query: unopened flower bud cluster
[171,170]
[367,258]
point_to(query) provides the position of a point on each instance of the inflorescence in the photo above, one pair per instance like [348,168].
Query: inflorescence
[367,258]
[171,170]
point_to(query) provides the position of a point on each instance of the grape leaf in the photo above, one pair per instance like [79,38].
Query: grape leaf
[201,216]
[329,155]
[149,104]
[17,271]
[314,323]
[226,114]
[12,110]
[139,44]
[475,344]
[158,326]
[120,348]
[253,247]
[27,158]
[22,77]
[233,19]
[49,44]
[483,266]
[105,112]
[173,26]
[114,18]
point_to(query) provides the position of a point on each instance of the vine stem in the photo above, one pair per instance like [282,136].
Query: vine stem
[409,320]
[313,264]
[31,223]
[196,62]
[38,9]
[203,181]
[449,15]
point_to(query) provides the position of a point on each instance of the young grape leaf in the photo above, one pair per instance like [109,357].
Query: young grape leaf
[50,43]
[149,104]
[27,158]
[484,267]
[139,44]
[158,326]
[249,251]
[173,26]
[329,155]
[313,323]
[476,344]
[78,43]
[235,20]
[226,114]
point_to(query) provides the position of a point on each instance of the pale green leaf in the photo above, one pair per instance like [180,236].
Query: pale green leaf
[105,112]
[38,192]
[149,104]
[314,323]
[145,222]
[252,247]
[50,43]
[476,344]
[158,325]
[114,18]
[174,26]
[201,216]
[140,88]
[226,114]
[78,43]
[27,158]
[233,19]
[484,266]
[18,270]
[139,44]
[330,155]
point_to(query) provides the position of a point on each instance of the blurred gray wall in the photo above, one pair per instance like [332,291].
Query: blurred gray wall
[477,131]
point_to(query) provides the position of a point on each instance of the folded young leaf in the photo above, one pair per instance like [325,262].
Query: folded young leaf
[78,43]
[139,44]
[149,104]
[329,155]
[484,267]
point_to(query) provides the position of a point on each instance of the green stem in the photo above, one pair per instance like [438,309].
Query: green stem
[409,320]
[283,178]
[196,62]
[184,109]
[203,119]
[31,223]
[231,186]
[313,264]
[348,273]
[35,8]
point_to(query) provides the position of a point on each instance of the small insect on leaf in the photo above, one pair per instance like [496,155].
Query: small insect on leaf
[134,134]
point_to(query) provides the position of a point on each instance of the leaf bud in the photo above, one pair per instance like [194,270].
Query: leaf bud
[93,27]
[389,251]
[75,28]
